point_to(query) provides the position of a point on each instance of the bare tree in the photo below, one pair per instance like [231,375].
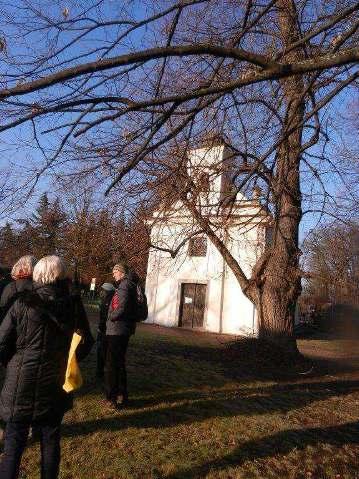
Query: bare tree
[332,254]
[121,90]
[347,128]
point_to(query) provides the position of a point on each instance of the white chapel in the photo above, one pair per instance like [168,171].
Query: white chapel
[196,288]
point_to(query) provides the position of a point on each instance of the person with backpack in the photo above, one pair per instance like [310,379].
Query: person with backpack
[21,274]
[120,326]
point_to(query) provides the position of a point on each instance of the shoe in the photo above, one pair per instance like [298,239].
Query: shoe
[304,368]
[111,404]
[115,406]
[124,401]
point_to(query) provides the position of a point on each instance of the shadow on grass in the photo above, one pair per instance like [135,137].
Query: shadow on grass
[155,349]
[281,443]
[279,392]
[161,365]
[194,406]
[245,358]
[242,364]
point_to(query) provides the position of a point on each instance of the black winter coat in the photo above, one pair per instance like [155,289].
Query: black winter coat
[35,338]
[122,313]
[13,291]
[4,281]
[105,301]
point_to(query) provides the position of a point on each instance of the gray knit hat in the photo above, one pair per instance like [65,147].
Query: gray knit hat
[108,287]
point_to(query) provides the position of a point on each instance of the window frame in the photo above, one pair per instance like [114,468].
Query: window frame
[196,249]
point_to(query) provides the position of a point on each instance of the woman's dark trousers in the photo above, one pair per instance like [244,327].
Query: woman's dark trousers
[115,367]
[16,434]
[101,354]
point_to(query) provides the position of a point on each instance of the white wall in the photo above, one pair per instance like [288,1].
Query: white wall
[165,275]
[238,312]
[227,309]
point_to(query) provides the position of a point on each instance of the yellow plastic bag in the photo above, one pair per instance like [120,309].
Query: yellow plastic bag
[73,377]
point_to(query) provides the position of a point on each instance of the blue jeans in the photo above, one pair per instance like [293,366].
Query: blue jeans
[15,438]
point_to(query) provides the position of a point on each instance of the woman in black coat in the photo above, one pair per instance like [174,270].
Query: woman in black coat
[35,338]
[21,274]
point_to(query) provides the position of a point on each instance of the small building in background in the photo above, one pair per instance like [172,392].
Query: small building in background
[196,288]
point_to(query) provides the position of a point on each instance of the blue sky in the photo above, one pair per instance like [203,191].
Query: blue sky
[19,152]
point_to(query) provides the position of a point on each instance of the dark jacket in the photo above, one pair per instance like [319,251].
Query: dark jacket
[105,301]
[12,292]
[4,281]
[35,337]
[122,315]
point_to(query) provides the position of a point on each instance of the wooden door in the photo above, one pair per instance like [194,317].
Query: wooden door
[192,306]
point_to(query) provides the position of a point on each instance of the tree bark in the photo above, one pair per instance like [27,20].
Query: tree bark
[278,291]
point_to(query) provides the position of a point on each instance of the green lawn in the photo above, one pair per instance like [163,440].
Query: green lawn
[198,410]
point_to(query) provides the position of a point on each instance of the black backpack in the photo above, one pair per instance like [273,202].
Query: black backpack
[141,308]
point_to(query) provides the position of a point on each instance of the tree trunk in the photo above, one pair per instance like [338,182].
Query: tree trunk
[275,283]
[277,294]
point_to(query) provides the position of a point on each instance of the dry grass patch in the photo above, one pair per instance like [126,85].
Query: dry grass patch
[199,411]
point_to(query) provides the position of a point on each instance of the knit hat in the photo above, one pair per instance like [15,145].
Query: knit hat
[121,266]
[108,287]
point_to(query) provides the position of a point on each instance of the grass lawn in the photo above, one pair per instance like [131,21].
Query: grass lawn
[198,410]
